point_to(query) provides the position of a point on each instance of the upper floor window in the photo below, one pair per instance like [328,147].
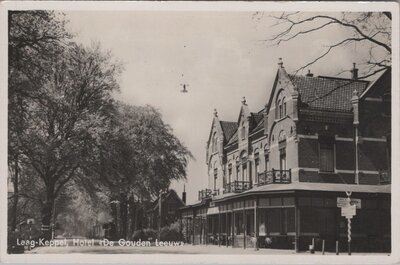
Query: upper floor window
[256,164]
[215,178]
[326,154]
[243,131]
[281,108]
[284,108]
[243,157]
[214,142]
[229,173]
[282,154]
[266,157]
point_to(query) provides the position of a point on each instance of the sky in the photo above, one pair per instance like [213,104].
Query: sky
[222,56]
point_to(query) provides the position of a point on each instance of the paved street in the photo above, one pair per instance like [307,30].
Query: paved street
[185,249]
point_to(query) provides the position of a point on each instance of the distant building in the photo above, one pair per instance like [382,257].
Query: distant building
[274,176]
[170,204]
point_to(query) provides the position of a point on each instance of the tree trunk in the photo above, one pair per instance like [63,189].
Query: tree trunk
[124,217]
[47,211]
[16,195]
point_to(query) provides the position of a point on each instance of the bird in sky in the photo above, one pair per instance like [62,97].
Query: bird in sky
[184,90]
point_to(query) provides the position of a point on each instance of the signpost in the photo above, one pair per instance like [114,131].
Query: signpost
[342,202]
[348,207]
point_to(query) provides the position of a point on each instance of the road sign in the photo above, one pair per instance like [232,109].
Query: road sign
[342,202]
[349,211]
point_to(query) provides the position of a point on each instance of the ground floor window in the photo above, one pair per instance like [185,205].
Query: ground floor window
[279,221]
[239,224]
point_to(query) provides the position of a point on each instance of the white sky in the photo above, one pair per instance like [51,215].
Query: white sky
[220,56]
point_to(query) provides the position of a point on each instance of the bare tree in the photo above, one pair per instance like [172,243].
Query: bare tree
[369,28]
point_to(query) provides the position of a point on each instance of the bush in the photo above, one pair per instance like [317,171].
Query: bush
[138,234]
[150,234]
[170,234]
[144,235]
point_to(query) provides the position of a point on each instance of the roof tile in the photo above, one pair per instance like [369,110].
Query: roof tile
[229,128]
[327,93]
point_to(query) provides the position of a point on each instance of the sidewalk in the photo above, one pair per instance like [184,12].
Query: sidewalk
[185,249]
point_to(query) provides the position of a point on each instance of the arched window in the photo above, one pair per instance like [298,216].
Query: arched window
[278,109]
[214,142]
[215,178]
[243,131]
[256,164]
[284,107]
[243,161]
[238,166]
[230,173]
[243,157]
[282,150]
[266,157]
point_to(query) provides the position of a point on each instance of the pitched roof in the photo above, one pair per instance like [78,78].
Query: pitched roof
[257,116]
[375,88]
[229,128]
[171,192]
[327,93]
[234,138]
[258,120]
[260,125]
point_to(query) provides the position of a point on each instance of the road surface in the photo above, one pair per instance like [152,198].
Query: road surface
[90,246]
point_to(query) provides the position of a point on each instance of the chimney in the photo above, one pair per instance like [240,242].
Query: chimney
[184,195]
[309,74]
[280,62]
[354,72]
